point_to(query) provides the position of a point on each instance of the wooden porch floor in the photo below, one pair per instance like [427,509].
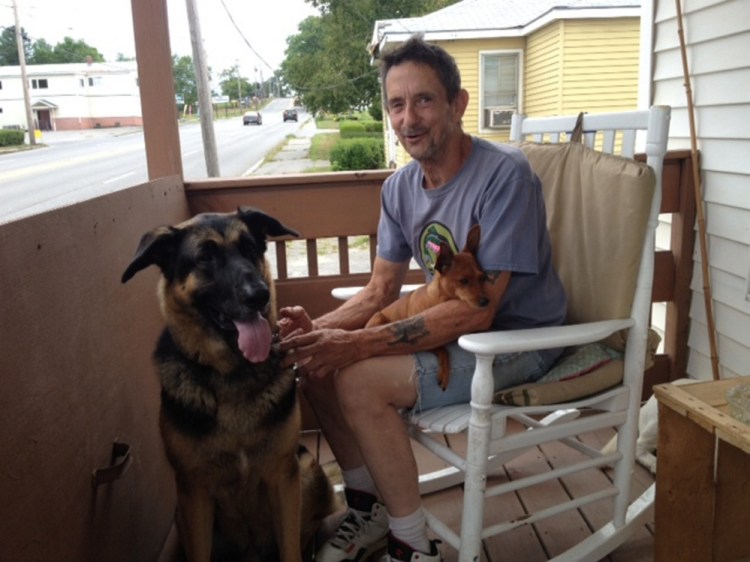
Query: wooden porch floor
[529,543]
[543,540]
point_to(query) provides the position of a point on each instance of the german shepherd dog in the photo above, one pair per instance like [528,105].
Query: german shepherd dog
[230,417]
[457,276]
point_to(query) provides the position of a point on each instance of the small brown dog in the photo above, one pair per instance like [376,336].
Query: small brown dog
[457,276]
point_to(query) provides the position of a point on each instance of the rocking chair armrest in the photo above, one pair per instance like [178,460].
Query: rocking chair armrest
[345,293]
[510,341]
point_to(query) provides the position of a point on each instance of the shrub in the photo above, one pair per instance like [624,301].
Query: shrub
[352,129]
[349,129]
[11,137]
[376,110]
[357,154]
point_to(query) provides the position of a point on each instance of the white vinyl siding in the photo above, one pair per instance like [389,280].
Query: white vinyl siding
[717,33]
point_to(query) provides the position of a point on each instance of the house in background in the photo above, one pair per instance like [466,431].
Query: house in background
[71,96]
[538,57]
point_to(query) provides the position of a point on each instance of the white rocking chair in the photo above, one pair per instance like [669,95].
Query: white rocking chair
[610,299]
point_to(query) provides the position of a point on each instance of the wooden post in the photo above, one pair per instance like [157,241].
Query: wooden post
[158,105]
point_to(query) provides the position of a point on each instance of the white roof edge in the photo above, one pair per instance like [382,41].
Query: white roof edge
[582,13]
[554,14]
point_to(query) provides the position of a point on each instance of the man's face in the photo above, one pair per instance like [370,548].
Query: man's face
[419,110]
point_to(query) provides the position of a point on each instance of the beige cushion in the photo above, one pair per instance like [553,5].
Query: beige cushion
[538,393]
[597,209]
[594,374]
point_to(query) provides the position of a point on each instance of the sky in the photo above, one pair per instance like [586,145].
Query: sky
[108,26]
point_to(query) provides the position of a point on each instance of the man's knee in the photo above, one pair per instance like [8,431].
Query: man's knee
[353,390]
[341,387]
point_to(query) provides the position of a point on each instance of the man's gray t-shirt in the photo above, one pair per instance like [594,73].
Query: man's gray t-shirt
[496,189]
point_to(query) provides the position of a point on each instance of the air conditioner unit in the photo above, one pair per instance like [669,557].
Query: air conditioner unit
[498,118]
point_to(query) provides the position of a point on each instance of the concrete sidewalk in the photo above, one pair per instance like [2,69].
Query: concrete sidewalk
[294,157]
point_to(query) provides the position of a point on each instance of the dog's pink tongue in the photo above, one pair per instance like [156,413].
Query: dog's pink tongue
[254,339]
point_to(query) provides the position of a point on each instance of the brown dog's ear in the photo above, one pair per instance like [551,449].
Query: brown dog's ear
[257,220]
[155,248]
[472,240]
[444,258]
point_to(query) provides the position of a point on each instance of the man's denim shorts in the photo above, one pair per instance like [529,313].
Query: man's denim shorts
[509,370]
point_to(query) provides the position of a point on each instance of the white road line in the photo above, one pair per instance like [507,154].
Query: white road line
[112,180]
[252,168]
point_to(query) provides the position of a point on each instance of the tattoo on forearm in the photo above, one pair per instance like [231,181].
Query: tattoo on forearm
[409,331]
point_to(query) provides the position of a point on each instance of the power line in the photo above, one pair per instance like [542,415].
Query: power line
[234,23]
[336,86]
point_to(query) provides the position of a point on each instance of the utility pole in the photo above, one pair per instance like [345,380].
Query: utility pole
[24,79]
[239,88]
[204,92]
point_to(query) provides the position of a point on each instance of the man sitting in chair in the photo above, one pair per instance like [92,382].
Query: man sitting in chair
[359,380]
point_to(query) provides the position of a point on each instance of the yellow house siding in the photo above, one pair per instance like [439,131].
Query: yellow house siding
[600,65]
[543,70]
[582,65]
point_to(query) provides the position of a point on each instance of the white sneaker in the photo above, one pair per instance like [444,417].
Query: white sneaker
[362,532]
[399,551]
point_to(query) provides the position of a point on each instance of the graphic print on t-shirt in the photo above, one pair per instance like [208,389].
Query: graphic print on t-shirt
[429,243]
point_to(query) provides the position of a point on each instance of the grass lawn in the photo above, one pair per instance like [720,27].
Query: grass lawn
[321,144]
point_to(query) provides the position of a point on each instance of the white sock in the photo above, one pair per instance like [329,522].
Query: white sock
[359,479]
[411,530]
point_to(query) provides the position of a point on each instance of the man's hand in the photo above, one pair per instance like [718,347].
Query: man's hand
[319,353]
[294,320]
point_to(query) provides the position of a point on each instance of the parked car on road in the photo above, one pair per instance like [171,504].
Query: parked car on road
[253,117]
[290,115]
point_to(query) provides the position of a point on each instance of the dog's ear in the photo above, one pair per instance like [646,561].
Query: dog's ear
[444,258]
[257,220]
[472,240]
[155,248]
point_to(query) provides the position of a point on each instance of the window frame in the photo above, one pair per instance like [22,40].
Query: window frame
[518,108]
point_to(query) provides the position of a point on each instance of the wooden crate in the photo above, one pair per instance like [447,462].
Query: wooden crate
[703,479]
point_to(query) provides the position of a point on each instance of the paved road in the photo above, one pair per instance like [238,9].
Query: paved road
[77,165]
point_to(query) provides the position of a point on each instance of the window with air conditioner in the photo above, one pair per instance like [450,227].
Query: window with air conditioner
[500,88]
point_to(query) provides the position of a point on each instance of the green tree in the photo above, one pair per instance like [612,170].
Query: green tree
[9,47]
[228,83]
[42,53]
[71,50]
[328,63]
[302,67]
[185,84]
